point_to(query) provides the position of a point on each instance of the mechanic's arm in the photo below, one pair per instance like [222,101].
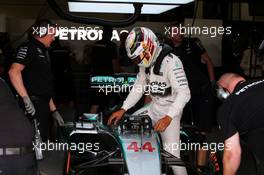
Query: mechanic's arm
[210,67]
[179,85]
[55,113]
[52,105]
[15,74]
[232,155]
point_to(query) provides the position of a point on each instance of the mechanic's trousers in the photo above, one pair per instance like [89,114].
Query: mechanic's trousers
[18,165]
[42,115]
[170,137]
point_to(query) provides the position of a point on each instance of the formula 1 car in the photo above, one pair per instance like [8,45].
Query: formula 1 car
[132,147]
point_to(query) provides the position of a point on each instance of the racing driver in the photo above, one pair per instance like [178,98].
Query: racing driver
[161,74]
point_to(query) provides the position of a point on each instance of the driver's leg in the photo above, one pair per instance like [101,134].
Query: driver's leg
[170,137]
[171,143]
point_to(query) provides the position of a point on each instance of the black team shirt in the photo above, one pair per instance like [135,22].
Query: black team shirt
[243,110]
[37,76]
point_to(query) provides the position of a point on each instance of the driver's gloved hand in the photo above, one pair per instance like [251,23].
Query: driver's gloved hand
[116,116]
[30,109]
[57,117]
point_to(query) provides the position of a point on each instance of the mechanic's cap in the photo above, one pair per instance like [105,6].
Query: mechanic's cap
[41,27]
[141,46]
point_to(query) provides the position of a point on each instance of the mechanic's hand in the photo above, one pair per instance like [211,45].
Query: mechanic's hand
[57,117]
[116,116]
[162,124]
[30,109]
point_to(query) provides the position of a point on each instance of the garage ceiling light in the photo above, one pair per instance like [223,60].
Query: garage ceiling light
[160,2]
[124,6]
[116,8]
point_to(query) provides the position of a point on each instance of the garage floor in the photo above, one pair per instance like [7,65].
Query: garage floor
[52,164]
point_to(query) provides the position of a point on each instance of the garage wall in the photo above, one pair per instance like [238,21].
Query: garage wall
[213,45]
[2,23]
[16,16]
[16,27]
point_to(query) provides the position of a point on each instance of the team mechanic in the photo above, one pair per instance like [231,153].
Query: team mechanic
[241,118]
[31,75]
[163,73]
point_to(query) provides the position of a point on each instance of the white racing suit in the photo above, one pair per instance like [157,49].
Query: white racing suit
[169,92]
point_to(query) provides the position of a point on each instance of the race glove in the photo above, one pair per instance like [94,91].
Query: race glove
[30,109]
[57,117]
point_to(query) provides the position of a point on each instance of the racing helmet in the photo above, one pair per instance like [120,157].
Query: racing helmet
[142,46]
